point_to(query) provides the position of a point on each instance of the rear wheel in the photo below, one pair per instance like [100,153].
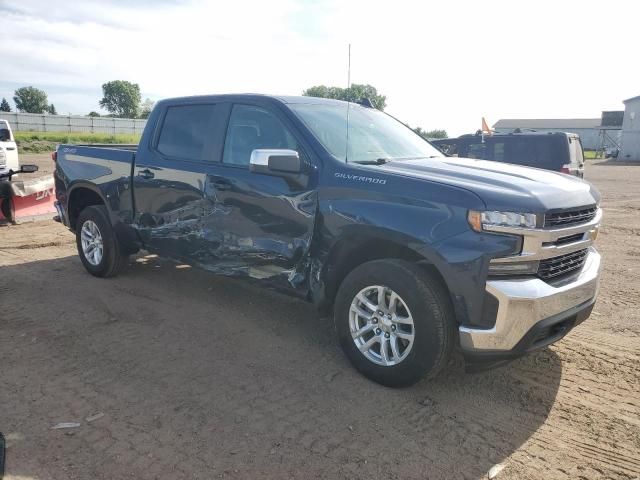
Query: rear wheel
[98,247]
[394,322]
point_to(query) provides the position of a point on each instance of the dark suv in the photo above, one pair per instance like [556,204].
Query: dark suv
[561,152]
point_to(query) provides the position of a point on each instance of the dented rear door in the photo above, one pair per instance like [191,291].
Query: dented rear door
[170,179]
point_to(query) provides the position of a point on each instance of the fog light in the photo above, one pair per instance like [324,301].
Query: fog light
[513,268]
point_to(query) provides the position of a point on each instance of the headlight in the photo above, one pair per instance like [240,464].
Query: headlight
[481,220]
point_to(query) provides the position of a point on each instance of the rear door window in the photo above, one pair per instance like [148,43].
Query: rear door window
[448,148]
[187,132]
[477,150]
[498,151]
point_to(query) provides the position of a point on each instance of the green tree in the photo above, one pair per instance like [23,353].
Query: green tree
[121,98]
[52,109]
[94,114]
[146,107]
[431,134]
[4,105]
[31,100]
[355,93]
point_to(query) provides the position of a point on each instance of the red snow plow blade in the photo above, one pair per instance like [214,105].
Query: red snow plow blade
[27,200]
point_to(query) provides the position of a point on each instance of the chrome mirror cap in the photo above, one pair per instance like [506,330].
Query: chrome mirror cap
[260,156]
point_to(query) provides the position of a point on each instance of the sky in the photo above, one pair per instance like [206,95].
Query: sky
[442,65]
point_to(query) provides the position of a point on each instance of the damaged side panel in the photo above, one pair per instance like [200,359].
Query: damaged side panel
[217,213]
[228,220]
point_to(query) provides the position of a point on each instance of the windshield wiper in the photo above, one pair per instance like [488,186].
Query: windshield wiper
[382,161]
[377,161]
[417,158]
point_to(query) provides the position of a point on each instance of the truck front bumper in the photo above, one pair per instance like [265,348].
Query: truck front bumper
[533,313]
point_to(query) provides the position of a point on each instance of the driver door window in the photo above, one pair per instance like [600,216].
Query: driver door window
[251,128]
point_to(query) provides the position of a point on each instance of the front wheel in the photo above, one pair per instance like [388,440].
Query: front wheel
[97,244]
[394,322]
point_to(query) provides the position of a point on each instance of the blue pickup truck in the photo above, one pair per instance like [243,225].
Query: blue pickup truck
[416,254]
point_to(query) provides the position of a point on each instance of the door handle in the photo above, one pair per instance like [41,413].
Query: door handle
[146,174]
[11,148]
[221,184]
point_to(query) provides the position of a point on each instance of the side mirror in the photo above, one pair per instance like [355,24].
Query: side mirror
[28,168]
[275,162]
[282,163]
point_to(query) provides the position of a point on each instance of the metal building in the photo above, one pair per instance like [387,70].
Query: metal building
[587,128]
[631,130]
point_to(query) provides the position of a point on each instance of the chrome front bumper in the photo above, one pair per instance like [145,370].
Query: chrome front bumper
[524,302]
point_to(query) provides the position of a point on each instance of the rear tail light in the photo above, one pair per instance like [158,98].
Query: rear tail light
[566,168]
[54,156]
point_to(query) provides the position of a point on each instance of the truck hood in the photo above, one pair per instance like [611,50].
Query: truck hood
[502,186]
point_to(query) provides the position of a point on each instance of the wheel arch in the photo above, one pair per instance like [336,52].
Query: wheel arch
[353,250]
[80,196]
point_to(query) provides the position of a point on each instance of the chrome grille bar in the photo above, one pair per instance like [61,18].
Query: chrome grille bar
[566,218]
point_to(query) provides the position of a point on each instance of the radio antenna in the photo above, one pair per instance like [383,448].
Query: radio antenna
[346,153]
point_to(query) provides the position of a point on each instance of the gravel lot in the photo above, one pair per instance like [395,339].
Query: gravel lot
[198,376]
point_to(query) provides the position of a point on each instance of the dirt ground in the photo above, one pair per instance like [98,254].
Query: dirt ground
[196,376]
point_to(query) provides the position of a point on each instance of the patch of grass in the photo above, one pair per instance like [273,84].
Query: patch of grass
[36,147]
[590,154]
[78,137]
[39,142]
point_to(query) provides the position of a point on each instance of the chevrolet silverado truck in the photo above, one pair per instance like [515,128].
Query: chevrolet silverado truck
[416,254]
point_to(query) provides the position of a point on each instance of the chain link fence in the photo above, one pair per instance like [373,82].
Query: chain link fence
[35,122]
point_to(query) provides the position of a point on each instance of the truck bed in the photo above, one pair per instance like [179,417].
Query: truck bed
[103,169]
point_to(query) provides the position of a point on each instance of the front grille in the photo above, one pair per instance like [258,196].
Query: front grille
[574,217]
[562,265]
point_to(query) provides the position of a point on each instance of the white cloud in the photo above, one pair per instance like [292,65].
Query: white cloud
[441,66]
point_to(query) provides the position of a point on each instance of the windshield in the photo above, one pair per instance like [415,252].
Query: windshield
[373,135]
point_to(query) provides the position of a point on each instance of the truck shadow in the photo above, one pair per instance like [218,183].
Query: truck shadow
[207,375]
[617,163]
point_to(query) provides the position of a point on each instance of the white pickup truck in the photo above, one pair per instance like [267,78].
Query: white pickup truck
[8,148]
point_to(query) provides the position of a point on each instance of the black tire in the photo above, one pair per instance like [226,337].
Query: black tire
[430,306]
[113,259]
[6,207]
